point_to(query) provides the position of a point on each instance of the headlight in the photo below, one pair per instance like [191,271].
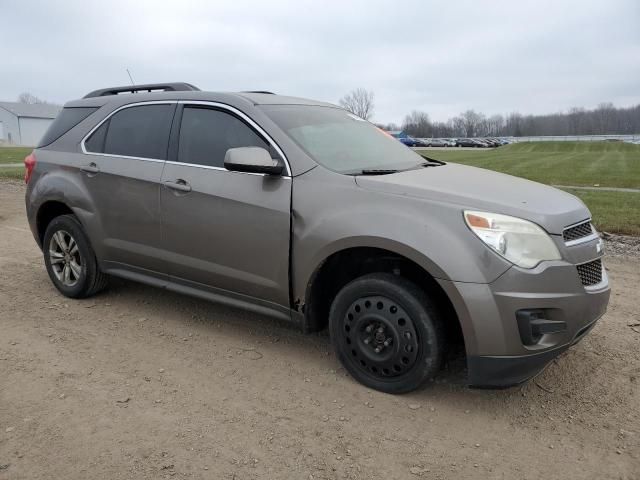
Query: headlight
[519,241]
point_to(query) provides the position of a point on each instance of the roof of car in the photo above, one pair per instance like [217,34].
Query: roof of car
[254,98]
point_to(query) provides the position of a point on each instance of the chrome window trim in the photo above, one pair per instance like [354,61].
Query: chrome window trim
[222,169]
[128,105]
[222,106]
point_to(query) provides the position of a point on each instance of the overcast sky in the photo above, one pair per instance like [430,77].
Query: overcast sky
[441,57]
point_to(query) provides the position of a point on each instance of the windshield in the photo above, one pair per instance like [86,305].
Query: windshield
[341,141]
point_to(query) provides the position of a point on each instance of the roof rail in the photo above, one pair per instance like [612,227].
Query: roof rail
[259,91]
[149,87]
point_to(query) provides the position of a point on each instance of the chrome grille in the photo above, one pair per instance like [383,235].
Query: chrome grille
[590,272]
[577,231]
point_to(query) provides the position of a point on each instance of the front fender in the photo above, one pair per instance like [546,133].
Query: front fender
[333,214]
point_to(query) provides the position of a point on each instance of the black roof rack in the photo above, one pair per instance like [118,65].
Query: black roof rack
[149,87]
[259,91]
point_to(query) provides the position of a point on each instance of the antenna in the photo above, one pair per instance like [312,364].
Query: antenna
[130,77]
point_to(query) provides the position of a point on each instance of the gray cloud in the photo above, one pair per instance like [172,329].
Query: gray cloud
[438,56]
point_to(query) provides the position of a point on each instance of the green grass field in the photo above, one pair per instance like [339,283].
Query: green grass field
[13,154]
[609,164]
[613,212]
[606,164]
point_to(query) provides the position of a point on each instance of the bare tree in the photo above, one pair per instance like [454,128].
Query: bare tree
[26,97]
[472,122]
[457,126]
[387,126]
[359,102]
[495,124]
[417,124]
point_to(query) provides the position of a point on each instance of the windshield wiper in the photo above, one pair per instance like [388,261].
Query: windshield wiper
[432,162]
[377,171]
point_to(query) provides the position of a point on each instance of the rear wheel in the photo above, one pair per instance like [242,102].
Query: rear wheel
[70,261]
[386,332]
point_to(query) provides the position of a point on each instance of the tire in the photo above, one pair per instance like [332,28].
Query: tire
[387,333]
[70,261]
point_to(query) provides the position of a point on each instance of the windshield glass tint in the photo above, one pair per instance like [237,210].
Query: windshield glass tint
[341,141]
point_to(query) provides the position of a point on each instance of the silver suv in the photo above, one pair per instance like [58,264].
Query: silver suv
[302,211]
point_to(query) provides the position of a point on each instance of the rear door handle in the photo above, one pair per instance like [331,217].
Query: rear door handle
[180,185]
[91,168]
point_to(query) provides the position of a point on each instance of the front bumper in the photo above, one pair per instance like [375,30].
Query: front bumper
[504,371]
[496,352]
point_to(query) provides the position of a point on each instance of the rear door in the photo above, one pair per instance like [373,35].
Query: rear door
[224,230]
[122,170]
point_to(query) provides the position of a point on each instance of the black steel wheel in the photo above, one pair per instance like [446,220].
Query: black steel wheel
[386,332]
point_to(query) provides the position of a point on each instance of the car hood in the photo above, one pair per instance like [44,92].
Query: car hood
[480,189]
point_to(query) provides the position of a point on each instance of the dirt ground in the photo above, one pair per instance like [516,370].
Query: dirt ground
[143,384]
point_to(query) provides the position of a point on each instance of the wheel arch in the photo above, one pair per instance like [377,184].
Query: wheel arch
[47,212]
[346,264]
[58,192]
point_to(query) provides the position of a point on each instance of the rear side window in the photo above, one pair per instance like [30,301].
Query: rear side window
[67,119]
[206,135]
[141,131]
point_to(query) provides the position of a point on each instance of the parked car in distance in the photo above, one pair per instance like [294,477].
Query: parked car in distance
[411,142]
[434,142]
[491,142]
[468,142]
[299,210]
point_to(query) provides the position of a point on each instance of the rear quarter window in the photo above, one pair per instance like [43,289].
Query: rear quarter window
[67,119]
[95,143]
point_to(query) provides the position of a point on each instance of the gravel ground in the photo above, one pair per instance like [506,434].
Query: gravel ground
[138,383]
[621,245]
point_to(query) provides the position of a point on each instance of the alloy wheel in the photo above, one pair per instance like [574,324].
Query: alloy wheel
[65,259]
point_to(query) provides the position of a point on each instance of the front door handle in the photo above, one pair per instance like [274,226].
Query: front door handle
[180,185]
[91,168]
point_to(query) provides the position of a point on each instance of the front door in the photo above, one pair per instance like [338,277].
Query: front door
[228,231]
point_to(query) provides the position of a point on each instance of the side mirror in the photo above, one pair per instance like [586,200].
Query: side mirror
[253,160]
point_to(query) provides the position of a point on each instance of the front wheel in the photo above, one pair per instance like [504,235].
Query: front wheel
[387,333]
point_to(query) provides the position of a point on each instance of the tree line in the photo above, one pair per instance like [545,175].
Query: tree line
[605,119]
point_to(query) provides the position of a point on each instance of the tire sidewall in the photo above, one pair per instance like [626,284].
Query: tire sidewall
[73,227]
[416,304]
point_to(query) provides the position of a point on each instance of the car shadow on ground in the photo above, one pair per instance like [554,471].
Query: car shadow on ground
[248,326]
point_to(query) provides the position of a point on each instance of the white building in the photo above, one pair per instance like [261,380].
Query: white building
[25,124]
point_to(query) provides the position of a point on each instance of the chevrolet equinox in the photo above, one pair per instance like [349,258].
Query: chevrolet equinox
[303,211]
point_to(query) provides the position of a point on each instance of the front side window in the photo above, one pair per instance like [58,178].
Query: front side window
[141,131]
[206,134]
